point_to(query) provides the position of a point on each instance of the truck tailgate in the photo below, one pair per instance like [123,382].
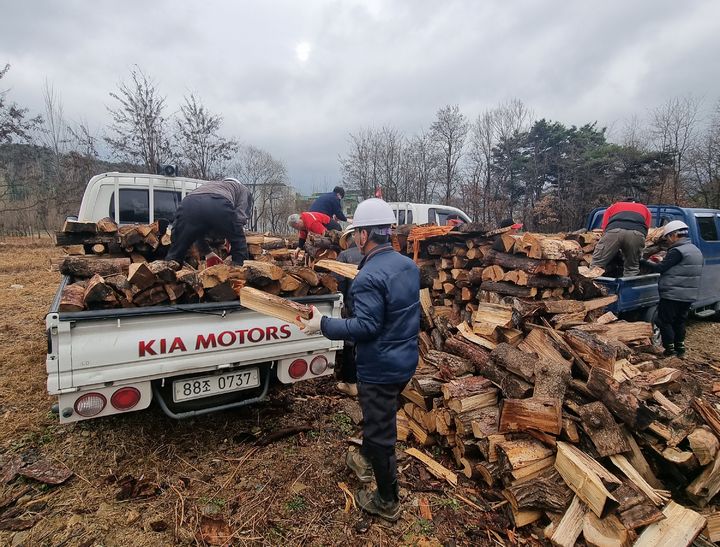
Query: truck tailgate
[640,291]
[149,344]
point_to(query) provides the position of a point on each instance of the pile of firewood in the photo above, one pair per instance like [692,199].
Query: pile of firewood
[565,412]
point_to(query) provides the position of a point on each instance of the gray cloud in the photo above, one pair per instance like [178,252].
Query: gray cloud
[371,63]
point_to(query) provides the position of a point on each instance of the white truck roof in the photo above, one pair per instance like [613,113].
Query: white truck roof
[141,196]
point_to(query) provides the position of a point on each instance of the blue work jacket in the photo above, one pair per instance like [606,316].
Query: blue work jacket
[328,204]
[386,317]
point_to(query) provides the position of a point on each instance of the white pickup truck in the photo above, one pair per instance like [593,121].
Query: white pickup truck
[192,359]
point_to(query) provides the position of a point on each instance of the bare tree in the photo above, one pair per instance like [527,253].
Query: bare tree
[449,131]
[15,126]
[16,190]
[361,167]
[704,161]
[673,130]
[423,168]
[203,150]
[138,132]
[634,134]
[266,177]
[483,190]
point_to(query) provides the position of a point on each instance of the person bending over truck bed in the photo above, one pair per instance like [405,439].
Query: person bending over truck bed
[625,226]
[679,283]
[317,223]
[220,208]
[330,204]
[385,324]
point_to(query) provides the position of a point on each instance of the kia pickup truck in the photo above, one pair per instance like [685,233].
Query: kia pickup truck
[190,359]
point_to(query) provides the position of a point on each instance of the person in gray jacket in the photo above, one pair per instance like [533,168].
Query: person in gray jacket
[219,208]
[679,282]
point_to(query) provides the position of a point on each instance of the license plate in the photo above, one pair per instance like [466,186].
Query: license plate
[206,386]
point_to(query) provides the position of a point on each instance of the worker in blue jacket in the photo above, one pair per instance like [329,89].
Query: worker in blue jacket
[384,327]
[330,204]
[679,284]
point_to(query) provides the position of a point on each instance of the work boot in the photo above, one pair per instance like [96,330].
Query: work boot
[680,349]
[669,350]
[372,503]
[348,389]
[360,465]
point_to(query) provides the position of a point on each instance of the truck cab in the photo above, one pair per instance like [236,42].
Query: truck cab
[134,197]
[640,292]
[424,213]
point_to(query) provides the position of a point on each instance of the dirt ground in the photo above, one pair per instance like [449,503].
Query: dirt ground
[143,479]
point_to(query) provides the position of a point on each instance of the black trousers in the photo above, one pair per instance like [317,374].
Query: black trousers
[379,404]
[333,225]
[202,214]
[347,371]
[671,318]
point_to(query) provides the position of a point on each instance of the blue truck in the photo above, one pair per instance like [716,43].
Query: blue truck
[638,296]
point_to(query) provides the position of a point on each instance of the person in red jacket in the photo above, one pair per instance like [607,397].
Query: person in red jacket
[308,222]
[625,226]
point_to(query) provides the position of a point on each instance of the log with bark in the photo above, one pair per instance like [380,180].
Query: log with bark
[86,267]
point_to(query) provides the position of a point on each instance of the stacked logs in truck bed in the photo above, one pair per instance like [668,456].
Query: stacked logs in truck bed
[128,271]
[102,283]
[570,416]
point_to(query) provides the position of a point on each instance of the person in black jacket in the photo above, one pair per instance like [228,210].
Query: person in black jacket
[330,204]
[221,208]
[679,283]
[384,326]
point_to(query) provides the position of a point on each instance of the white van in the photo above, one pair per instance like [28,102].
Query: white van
[424,213]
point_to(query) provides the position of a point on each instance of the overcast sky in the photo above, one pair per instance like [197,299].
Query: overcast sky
[295,77]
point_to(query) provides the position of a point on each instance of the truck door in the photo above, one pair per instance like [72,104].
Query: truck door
[707,228]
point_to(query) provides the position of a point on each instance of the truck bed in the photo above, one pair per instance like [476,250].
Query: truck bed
[91,348]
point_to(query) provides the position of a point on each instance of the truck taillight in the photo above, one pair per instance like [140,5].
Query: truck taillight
[90,404]
[318,365]
[125,398]
[298,368]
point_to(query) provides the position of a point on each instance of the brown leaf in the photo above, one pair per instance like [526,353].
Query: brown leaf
[10,464]
[129,487]
[46,472]
[19,523]
[214,531]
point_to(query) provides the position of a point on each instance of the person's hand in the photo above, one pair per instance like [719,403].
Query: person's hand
[655,258]
[312,325]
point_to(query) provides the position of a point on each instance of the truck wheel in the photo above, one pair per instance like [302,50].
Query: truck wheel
[650,316]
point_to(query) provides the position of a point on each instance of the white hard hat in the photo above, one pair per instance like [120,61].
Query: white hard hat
[346,233]
[373,212]
[673,226]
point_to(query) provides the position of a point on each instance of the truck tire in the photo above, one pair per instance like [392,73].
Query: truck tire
[650,316]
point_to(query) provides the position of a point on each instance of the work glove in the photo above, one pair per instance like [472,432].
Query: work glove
[312,325]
